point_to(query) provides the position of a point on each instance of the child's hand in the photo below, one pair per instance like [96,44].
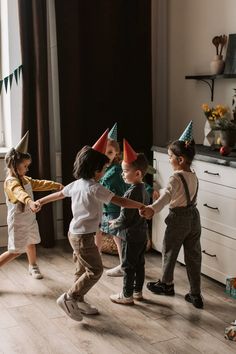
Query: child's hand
[34,206]
[111,224]
[155,195]
[60,187]
[38,204]
[146,212]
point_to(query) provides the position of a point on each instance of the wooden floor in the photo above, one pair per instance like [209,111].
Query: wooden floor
[31,322]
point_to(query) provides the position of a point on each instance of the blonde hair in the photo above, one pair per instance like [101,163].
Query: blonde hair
[116,146]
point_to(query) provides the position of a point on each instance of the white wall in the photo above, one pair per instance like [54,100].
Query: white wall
[191,26]
[10,60]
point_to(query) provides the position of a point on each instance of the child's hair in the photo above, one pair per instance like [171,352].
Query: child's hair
[116,146]
[87,162]
[13,158]
[141,163]
[185,149]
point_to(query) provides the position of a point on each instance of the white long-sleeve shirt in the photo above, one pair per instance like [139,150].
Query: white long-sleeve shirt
[174,193]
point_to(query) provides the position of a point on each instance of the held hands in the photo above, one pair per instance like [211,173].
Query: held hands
[60,187]
[34,206]
[112,223]
[146,212]
[155,195]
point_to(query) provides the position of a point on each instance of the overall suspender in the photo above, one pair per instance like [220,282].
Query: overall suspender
[189,201]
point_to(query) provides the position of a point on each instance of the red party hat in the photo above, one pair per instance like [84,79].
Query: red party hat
[101,143]
[129,155]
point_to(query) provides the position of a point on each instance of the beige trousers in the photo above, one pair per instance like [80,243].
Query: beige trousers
[88,264]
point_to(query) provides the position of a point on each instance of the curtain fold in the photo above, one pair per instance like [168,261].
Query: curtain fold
[35,115]
[104,59]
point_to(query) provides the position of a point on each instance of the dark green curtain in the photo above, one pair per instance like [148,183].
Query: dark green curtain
[104,63]
[35,116]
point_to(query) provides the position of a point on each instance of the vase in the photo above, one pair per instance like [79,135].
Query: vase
[228,138]
[209,134]
[217,65]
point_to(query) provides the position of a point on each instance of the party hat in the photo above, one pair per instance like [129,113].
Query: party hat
[113,132]
[187,135]
[101,143]
[129,155]
[22,146]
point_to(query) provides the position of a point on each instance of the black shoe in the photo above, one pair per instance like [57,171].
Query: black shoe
[196,300]
[161,288]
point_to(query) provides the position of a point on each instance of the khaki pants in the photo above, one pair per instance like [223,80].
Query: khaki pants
[88,264]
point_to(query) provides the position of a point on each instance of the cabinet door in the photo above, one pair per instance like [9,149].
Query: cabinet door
[218,255]
[164,171]
[161,163]
[210,172]
[3,215]
[158,229]
[3,236]
[217,207]
[2,195]
[2,170]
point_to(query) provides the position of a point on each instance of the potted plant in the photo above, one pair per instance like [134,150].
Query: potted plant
[227,130]
[212,114]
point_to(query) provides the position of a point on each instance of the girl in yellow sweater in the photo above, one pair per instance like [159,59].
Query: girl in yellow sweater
[23,232]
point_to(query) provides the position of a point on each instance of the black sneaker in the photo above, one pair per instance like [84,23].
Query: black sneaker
[196,300]
[161,288]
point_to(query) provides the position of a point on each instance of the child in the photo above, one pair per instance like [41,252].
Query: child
[23,231]
[113,181]
[183,221]
[133,229]
[87,198]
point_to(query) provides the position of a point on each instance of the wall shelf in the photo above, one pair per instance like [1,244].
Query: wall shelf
[210,80]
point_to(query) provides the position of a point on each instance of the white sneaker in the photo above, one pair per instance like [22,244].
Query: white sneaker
[35,271]
[70,307]
[86,308]
[115,272]
[121,299]
[138,296]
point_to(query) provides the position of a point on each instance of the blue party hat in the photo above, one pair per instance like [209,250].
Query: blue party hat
[113,132]
[187,135]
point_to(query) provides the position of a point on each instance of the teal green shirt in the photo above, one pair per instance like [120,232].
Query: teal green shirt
[113,181]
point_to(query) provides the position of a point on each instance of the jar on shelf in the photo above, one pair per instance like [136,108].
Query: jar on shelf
[217,65]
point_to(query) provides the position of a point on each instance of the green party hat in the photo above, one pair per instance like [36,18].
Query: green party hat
[113,132]
[187,135]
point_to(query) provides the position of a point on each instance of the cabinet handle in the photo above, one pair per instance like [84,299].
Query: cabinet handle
[210,207]
[155,165]
[212,173]
[208,254]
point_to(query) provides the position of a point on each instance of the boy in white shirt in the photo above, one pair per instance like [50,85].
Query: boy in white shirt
[87,198]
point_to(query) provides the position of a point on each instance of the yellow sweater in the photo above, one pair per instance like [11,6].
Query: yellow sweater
[16,193]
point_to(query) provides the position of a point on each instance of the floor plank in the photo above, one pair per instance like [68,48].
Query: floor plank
[31,322]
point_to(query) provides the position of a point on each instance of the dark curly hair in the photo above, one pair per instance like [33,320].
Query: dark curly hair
[87,162]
